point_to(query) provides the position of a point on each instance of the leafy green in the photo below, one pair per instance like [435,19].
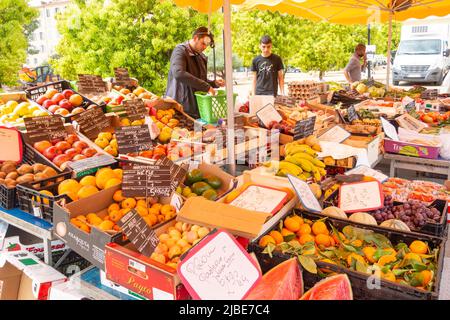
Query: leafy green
[308,264]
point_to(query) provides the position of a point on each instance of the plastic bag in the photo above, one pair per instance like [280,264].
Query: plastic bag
[445,149]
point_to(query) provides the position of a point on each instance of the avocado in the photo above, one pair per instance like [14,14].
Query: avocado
[214,182]
[210,194]
[199,187]
[194,176]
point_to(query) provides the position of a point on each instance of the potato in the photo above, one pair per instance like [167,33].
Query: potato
[40,176]
[50,172]
[2,181]
[8,167]
[29,177]
[10,183]
[38,167]
[12,175]
[2,175]
[24,169]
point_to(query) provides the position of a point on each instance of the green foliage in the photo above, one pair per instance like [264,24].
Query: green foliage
[15,15]
[220,66]
[137,34]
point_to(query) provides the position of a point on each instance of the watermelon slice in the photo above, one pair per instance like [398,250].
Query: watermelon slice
[283,282]
[336,287]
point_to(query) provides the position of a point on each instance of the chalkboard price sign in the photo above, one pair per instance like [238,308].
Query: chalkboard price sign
[142,180]
[135,109]
[352,114]
[92,122]
[89,83]
[133,139]
[304,128]
[45,128]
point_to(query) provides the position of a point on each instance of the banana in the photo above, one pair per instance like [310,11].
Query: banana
[302,163]
[291,168]
[300,148]
[330,191]
[322,172]
[318,163]
[316,174]
[303,176]
[307,175]
[303,155]
[282,173]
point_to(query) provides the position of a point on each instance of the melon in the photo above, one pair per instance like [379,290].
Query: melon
[282,282]
[395,224]
[336,287]
[364,218]
[334,212]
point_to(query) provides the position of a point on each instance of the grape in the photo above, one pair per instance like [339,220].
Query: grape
[406,206]
[436,218]
[391,216]
[378,216]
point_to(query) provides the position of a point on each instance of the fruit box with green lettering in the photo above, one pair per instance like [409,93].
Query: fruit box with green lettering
[142,275]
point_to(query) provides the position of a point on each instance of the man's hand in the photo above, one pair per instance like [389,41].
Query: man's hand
[220,83]
[211,91]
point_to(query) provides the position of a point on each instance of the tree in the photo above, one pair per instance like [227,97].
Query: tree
[15,16]
[220,61]
[137,34]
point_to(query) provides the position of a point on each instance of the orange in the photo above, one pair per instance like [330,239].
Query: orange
[102,176]
[304,229]
[356,243]
[128,203]
[390,276]
[142,211]
[298,218]
[69,185]
[320,227]
[163,237]
[76,100]
[113,207]
[157,206]
[158,257]
[386,260]
[161,248]
[115,216]
[285,232]
[332,242]
[175,251]
[292,224]
[276,235]
[112,182]
[153,211]
[265,240]
[368,253]
[323,239]
[43,200]
[141,203]
[86,191]
[81,218]
[118,196]
[427,276]
[147,220]
[118,173]
[88,181]
[418,247]
[161,218]
[355,256]
[413,256]
[304,238]
[106,225]
[85,228]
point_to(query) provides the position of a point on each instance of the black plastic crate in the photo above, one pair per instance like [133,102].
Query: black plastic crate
[388,290]
[8,196]
[33,202]
[35,92]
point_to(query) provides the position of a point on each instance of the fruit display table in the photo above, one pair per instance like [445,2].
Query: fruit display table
[417,164]
[32,225]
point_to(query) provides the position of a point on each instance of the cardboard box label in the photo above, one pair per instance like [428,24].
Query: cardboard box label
[134,139]
[218,268]
[361,196]
[162,295]
[142,180]
[45,128]
[92,122]
[135,109]
[304,128]
[286,101]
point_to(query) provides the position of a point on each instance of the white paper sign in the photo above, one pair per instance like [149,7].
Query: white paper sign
[218,269]
[3,230]
[304,193]
[257,102]
[369,172]
[335,134]
[152,127]
[361,196]
[268,114]
[389,129]
[260,199]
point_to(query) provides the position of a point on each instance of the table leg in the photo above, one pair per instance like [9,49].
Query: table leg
[392,168]
[48,252]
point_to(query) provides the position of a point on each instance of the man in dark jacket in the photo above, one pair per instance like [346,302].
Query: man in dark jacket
[188,71]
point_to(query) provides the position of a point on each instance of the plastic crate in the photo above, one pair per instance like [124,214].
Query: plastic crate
[35,92]
[388,290]
[30,199]
[212,108]
[8,196]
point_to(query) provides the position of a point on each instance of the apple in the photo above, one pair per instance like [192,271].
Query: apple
[42,145]
[41,100]
[80,145]
[47,103]
[71,138]
[64,103]
[89,152]
[63,146]
[77,110]
[72,152]
[62,112]
[51,92]
[153,111]
[55,141]
[57,98]
[119,99]
[53,108]
[67,93]
[51,152]
[60,159]
[79,157]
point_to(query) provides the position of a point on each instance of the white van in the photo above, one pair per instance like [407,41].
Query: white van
[423,54]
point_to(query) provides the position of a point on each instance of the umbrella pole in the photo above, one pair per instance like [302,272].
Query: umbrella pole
[231,155]
[388,75]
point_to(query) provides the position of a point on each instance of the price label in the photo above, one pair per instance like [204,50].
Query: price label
[96,161]
[89,83]
[335,134]
[142,180]
[134,139]
[135,109]
[286,101]
[352,114]
[177,173]
[341,117]
[45,128]
[268,114]
[218,268]
[92,122]
[406,121]
[121,77]
[138,232]
[361,196]
[304,128]
[304,193]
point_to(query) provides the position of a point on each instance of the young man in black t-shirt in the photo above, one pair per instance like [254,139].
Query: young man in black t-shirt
[267,71]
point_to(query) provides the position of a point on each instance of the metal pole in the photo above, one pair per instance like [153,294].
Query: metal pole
[368,43]
[229,86]
[389,51]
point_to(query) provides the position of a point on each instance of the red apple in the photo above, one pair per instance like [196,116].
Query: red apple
[67,93]
[55,141]
[72,152]
[42,145]
[89,152]
[63,145]
[64,103]
[48,103]
[79,157]
[80,145]
[71,138]
[41,100]
[60,159]
[57,98]
[53,108]
[62,112]
[51,152]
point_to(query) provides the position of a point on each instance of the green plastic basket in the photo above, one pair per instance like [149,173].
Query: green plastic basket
[212,108]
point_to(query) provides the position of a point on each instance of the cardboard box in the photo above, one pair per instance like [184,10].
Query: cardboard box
[9,280]
[120,289]
[90,246]
[36,277]
[146,277]
[373,145]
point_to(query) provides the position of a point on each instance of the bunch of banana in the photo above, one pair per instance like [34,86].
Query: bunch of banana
[283,168]
[302,154]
